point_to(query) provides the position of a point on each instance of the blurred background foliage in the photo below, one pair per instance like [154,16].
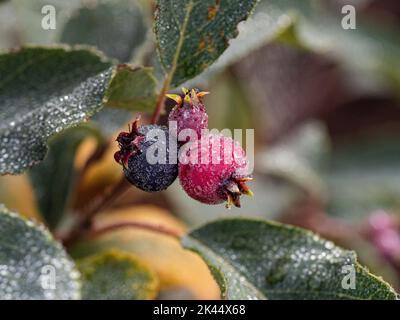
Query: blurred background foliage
[324,103]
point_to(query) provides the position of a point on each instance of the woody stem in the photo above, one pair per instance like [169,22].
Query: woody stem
[161,99]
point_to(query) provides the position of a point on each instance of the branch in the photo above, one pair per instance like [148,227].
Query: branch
[83,223]
[161,100]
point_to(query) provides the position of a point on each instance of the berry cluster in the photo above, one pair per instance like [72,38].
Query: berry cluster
[220,172]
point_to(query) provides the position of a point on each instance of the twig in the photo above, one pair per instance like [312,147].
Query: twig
[83,223]
[161,100]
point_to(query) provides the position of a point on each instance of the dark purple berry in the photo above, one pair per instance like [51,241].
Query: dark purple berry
[132,156]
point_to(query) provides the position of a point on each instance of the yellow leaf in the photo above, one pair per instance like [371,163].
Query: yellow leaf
[175,266]
[144,213]
[16,193]
[84,151]
[101,173]
[113,274]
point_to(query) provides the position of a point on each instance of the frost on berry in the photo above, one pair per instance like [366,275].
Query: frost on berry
[189,112]
[132,156]
[221,171]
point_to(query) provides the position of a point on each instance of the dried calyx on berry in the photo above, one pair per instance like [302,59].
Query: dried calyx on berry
[132,156]
[189,112]
[222,177]
[129,143]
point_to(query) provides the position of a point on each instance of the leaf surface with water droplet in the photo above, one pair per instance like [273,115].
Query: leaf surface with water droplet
[42,92]
[256,259]
[32,264]
[191,35]
[117,275]
[121,94]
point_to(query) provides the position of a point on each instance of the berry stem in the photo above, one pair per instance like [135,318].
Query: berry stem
[161,99]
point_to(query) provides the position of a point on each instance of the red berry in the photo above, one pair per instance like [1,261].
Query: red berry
[189,113]
[216,181]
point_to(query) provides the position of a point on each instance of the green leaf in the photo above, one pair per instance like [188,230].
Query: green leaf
[116,275]
[192,34]
[122,94]
[42,92]
[255,259]
[116,28]
[30,260]
[53,179]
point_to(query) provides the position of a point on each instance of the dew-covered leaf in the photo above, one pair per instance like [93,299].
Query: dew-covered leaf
[192,34]
[42,92]
[255,259]
[53,178]
[138,97]
[32,264]
[115,27]
[116,275]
